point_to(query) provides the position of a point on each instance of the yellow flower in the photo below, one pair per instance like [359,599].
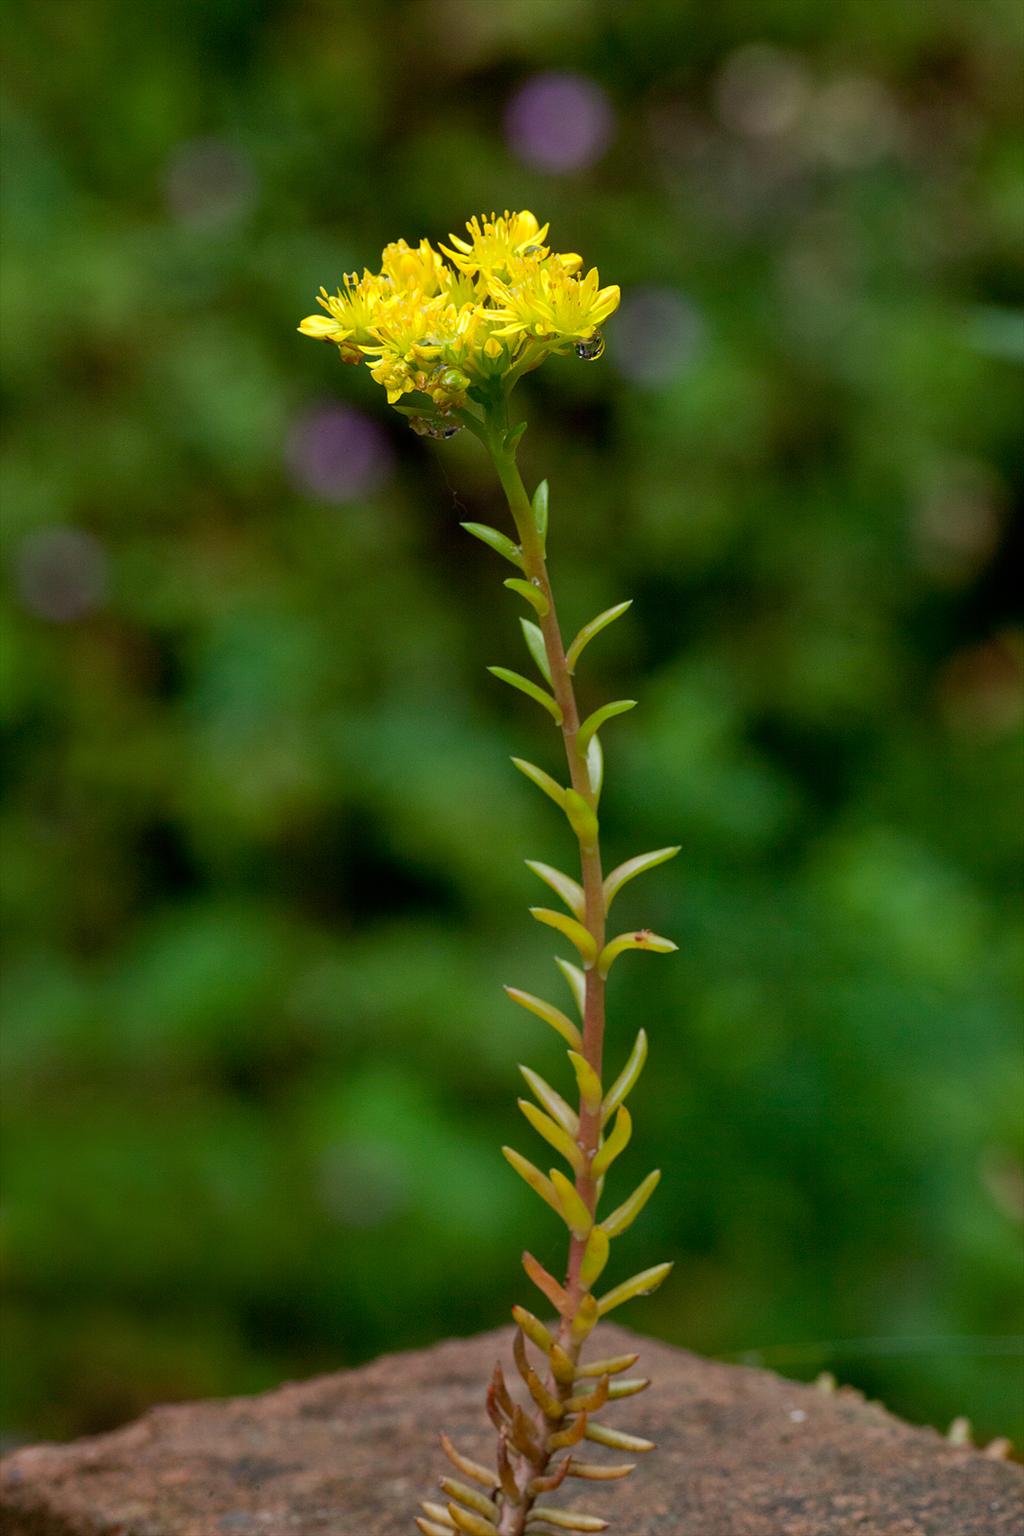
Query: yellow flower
[544,301]
[421,270]
[350,316]
[495,240]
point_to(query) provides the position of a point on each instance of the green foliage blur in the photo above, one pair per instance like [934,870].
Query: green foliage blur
[263,846]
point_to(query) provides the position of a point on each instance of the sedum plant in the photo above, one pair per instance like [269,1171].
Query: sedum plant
[449,333]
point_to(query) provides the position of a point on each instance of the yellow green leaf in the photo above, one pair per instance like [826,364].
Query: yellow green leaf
[625,1215]
[532,1176]
[642,1284]
[623,1084]
[614,1143]
[551,1100]
[497,541]
[549,1013]
[594,722]
[577,985]
[633,867]
[553,1134]
[573,930]
[534,638]
[588,1081]
[582,818]
[595,627]
[642,938]
[524,685]
[595,1257]
[542,780]
[574,1211]
[564,886]
[531,593]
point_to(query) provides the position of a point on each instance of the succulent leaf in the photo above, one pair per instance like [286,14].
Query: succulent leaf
[594,722]
[627,1078]
[603,1473]
[625,1214]
[542,780]
[595,1256]
[571,1436]
[572,928]
[582,819]
[534,1329]
[601,1434]
[549,1013]
[564,886]
[468,1496]
[615,1143]
[468,1467]
[587,1080]
[524,685]
[434,1527]
[642,1284]
[595,766]
[553,1134]
[472,1524]
[541,499]
[586,1317]
[533,1176]
[535,645]
[577,985]
[566,1520]
[497,541]
[642,938]
[631,868]
[547,1284]
[610,1367]
[595,627]
[532,594]
[551,1100]
[575,1213]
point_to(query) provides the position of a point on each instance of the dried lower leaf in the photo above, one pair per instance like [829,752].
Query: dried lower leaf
[547,1284]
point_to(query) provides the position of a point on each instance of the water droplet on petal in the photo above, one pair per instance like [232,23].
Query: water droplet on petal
[591,349]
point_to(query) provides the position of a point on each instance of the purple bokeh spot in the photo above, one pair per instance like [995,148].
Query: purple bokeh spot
[655,336]
[559,122]
[337,454]
[61,574]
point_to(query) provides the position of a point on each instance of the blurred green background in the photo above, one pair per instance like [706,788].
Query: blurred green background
[262,842]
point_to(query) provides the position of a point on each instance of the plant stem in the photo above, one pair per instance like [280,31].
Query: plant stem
[532,546]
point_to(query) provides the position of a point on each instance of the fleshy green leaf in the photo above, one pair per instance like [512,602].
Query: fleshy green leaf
[595,721]
[541,497]
[623,1084]
[535,645]
[533,1176]
[471,1497]
[614,1143]
[470,1523]
[582,818]
[586,1318]
[497,541]
[577,985]
[533,594]
[464,1464]
[542,780]
[565,886]
[588,1081]
[607,1472]
[642,938]
[633,867]
[600,1434]
[595,1256]
[516,680]
[553,1134]
[595,627]
[549,1013]
[548,1098]
[639,1285]
[625,1214]
[595,766]
[567,1519]
[574,931]
[575,1214]
[610,1367]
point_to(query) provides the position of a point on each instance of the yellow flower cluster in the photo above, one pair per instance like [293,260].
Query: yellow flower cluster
[451,329]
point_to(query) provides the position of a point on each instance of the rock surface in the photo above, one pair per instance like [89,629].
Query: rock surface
[741,1453]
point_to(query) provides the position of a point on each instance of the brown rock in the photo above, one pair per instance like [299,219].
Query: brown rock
[741,1453]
